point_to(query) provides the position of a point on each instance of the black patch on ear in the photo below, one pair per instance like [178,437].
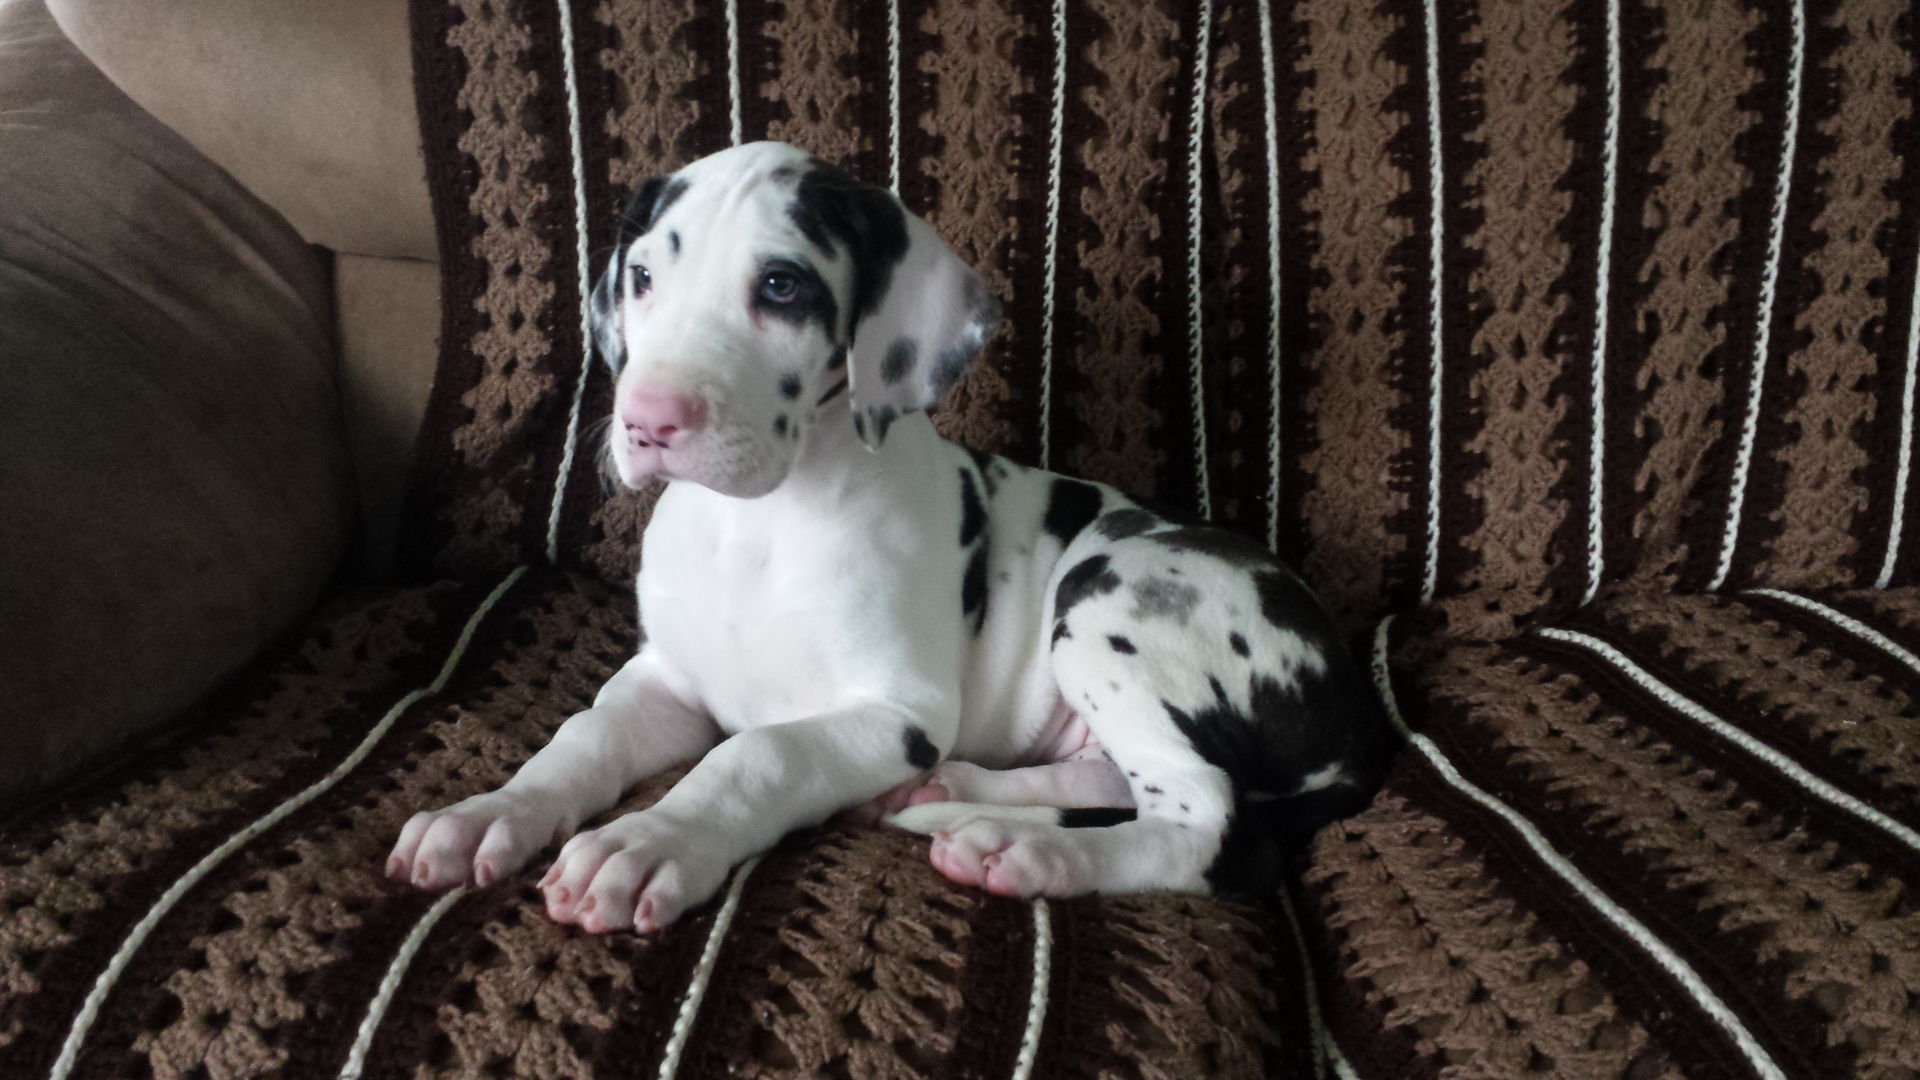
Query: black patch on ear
[973,513]
[789,386]
[921,753]
[1059,631]
[649,201]
[829,205]
[1070,505]
[973,589]
[883,418]
[837,360]
[1239,644]
[1095,817]
[860,424]
[1126,521]
[1121,645]
[898,361]
[1090,577]
[833,391]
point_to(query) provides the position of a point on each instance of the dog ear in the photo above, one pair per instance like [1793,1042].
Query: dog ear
[918,313]
[603,313]
[649,201]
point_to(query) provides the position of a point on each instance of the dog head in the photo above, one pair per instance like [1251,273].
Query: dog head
[751,296]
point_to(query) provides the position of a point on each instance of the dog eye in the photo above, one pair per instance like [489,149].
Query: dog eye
[779,287]
[642,280]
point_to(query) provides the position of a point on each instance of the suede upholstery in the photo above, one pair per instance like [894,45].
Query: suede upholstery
[173,482]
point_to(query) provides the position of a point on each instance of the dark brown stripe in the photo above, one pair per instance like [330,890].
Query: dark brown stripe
[1513,538]
[1845,715]
[1237,295]
[490,446]
[1756,154]
[1121,357]
[1354,299]
[976,121]
[1809,469]
[1159,985]
[1449,950]
[1694,846]
[846,957]
[1685,74]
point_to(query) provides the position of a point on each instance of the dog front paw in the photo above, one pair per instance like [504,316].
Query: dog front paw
[476,841]
[640,873]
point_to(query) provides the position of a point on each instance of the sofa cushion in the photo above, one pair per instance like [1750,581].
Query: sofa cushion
[310,106]
[274,944]
[1672,836]
[172,473]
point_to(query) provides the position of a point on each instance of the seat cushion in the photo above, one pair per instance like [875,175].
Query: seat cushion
[173,477]
[241,878]
[1675,835]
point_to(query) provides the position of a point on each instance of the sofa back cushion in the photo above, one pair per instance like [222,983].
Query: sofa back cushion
[173,485]
[1463,313]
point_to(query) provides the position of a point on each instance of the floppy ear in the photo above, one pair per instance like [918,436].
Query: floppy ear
[917,313]
[649,200]
[929,318]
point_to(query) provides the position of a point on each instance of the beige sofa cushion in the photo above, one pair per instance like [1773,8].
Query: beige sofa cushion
[173,478]
[309,105]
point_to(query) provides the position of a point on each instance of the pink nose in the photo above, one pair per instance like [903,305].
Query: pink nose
[656,416]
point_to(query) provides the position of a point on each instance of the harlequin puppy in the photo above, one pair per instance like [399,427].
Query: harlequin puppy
[836,601]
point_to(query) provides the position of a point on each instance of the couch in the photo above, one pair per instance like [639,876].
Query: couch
[1568,348]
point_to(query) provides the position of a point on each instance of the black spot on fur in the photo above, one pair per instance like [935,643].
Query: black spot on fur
[898,361]
[780,426]
[1239,643]
[1089,577]
[883,418]
[1285,601]
[673,242]
[829,205]
[1070,506]
[921,753]
[789,386]
[973,513]
[1126,521]
[1095,817]
[1151,790]
[837,360]
[650,200]
[1059,631]
[973,589]
[833,391]
[860,424]
[1163,599]
[1121,645]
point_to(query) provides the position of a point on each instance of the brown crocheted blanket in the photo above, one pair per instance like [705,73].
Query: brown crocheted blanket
[1580,334]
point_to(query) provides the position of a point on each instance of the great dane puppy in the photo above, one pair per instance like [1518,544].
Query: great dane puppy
[1068,692]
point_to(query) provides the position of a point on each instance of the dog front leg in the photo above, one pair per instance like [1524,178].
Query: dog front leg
[637,727]
[644,869]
